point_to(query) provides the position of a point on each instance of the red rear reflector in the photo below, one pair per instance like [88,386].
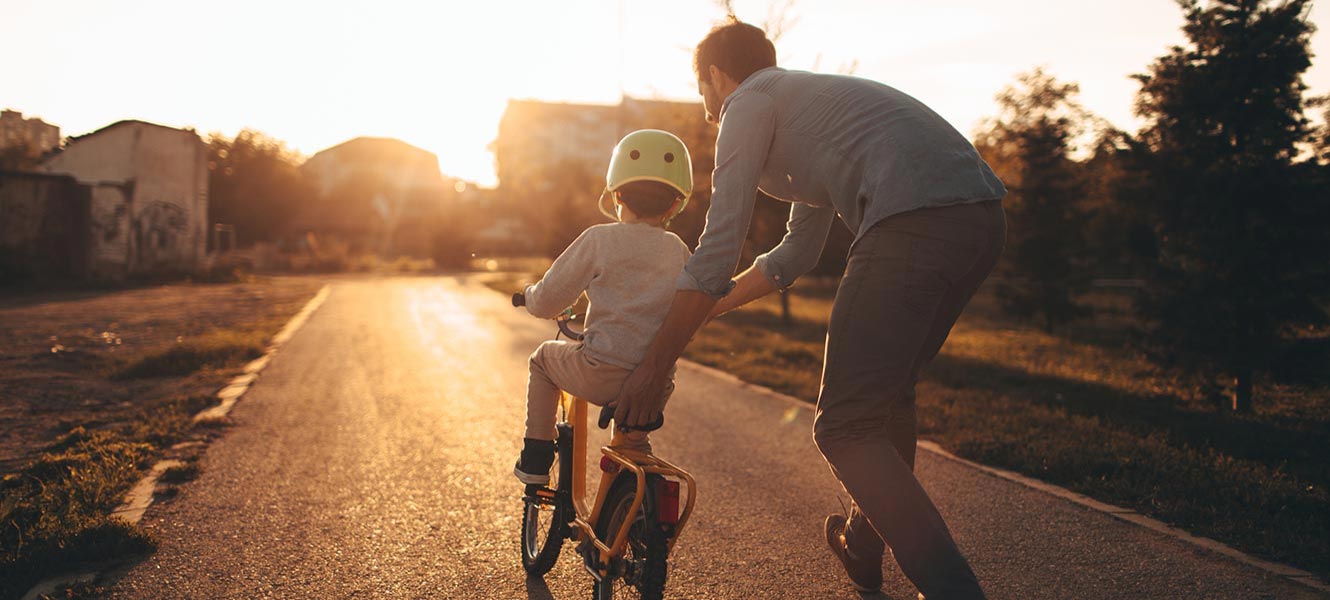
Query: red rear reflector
[667,499]
[609,465]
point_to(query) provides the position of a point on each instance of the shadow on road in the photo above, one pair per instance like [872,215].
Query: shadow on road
[537,590]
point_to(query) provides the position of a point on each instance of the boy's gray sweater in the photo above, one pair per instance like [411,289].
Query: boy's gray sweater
[628,271]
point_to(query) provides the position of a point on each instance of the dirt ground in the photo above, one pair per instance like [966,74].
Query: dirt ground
[55,346]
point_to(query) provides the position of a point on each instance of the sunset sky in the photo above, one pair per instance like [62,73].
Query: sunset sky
[437,74]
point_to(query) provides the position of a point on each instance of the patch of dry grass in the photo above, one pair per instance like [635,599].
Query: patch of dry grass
[120,373]
[56,513]
[213,349]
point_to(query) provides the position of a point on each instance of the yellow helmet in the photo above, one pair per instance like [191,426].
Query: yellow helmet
[650,155]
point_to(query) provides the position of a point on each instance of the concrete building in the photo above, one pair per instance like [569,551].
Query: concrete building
[551,160]
[378,194]
[34,133]
[536,136]
[147,207]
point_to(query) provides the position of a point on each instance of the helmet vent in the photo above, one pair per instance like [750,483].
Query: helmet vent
[634,155]
[669,157]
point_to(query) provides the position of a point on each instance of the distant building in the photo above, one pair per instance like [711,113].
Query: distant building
[551,160]
[147,198]
[379,194]
[38,135]
[536,136]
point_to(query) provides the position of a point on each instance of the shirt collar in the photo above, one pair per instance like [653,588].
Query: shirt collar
[724,106]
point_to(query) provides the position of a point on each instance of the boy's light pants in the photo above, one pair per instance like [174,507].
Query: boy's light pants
[559,365]
[905,284]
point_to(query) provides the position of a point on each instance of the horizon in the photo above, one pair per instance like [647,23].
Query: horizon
[319,75]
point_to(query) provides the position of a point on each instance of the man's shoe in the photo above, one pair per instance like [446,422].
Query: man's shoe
[865,571]
[533,467]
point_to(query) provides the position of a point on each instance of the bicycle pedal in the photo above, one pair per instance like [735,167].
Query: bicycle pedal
[539,493]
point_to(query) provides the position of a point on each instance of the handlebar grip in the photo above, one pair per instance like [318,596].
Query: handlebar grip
[607,414]
[519,299]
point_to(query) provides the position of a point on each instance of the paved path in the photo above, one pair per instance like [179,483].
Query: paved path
[372,459]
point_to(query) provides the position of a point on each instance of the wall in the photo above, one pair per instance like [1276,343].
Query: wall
[109,231]
[43,227]
[170,210]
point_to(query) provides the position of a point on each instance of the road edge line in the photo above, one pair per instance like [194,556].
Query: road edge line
[140,497]
[234,389]
[1294,574]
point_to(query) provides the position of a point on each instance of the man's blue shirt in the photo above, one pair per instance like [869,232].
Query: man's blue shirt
[831,145]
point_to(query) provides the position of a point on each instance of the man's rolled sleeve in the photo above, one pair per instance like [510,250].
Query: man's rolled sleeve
[687,281]
[798,252]
[747,124]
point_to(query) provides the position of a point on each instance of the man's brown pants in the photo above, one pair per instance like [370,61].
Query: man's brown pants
[905,284]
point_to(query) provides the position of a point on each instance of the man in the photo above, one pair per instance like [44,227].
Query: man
[928,223]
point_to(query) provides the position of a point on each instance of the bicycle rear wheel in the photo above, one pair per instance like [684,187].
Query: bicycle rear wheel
[544,527]
[642,570]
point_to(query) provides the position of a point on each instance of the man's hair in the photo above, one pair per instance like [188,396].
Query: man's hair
[736,48]
[647,198]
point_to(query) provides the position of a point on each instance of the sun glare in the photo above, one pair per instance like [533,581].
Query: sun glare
[438,75]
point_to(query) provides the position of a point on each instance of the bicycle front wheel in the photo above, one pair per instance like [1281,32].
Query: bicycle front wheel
[640,573]
[544,527]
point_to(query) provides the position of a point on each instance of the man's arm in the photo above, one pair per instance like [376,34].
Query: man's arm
[797,253]
[747,125]
[647,382]
[748,286]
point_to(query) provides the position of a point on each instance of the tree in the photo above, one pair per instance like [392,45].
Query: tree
[1239,223]
[1321,144]
[254,184]
[1030,145]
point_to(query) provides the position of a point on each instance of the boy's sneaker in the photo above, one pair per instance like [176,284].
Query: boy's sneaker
[865,571]
[533,467]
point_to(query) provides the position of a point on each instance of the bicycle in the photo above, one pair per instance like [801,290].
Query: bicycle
[625,535]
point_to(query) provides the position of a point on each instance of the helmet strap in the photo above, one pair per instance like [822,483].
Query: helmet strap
[601,204]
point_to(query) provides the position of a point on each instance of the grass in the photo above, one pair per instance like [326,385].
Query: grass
[56,513]
[214,349]
[1083,410]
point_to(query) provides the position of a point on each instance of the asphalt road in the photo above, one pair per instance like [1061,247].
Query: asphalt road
[373,459]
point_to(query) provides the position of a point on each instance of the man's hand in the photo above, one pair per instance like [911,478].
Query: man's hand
[642,397]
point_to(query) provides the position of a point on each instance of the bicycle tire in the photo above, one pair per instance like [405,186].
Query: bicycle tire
[646,555]
[541,550]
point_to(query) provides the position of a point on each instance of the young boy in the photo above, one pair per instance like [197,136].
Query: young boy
[628,270]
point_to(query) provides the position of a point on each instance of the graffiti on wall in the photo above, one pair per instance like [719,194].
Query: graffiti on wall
[158,231]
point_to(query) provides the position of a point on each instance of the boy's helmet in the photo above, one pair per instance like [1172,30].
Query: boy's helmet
[650,155]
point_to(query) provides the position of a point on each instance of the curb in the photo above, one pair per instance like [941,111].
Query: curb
[1123,514]
[140,497]
[239,384]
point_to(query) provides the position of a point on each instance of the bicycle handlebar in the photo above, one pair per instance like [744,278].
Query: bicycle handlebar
[568,331]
